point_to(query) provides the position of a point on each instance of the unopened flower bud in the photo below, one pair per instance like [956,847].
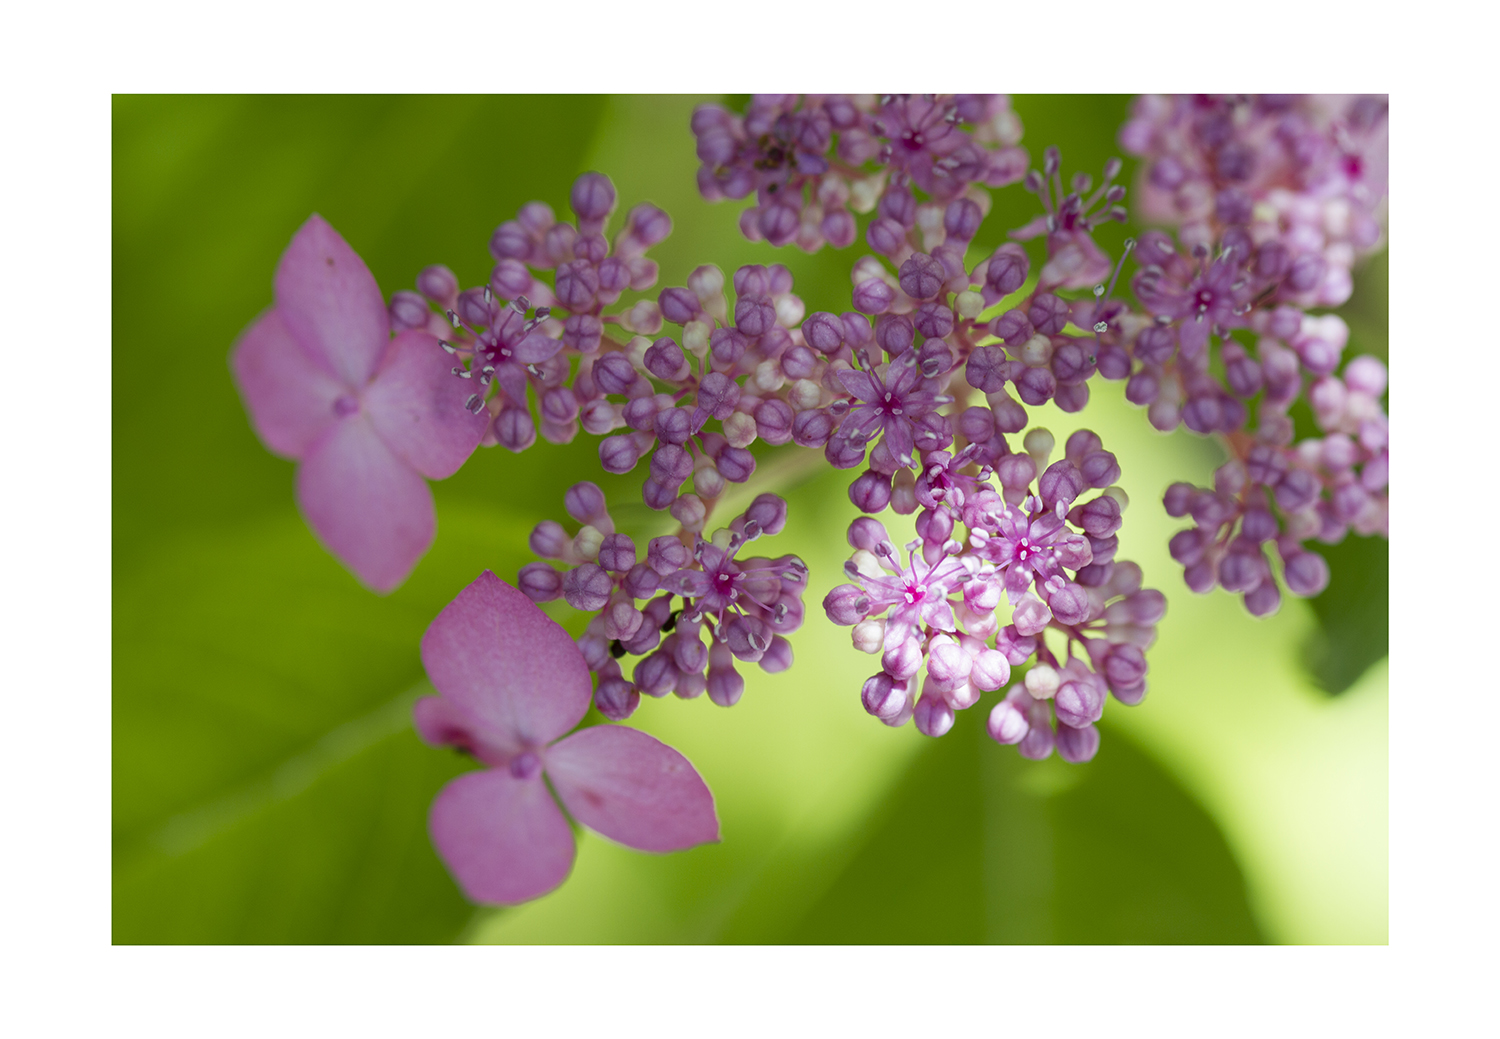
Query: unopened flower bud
[690,511]
[586,542]
[1007,724]
[868,635]
[932,715]
[1042,681]
[540,582]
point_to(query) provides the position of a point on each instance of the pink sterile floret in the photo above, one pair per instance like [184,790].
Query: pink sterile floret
[511,683]
[366,415]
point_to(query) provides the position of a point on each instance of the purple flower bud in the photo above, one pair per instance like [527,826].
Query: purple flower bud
[1016,471]
[1007,269]
[1200,577]
[1048,314]
[576,284]
[1031,615]
[735,464]
[718,394]
[666,555]
[947,663]
[408,310]
[1188,546]
[823,332]
[894,333]
[768,512]
[671,464]
[1179,499]
[987,369]
[902,660]
[848,604]
[613,374]
[665,360]
[990,670]
[648,224]
[1069,604]
[1079,702]
[871,492]
[1036,386]
[798,362]
[1007,724]
[884,696]
[1099,518]
[922,276]
[616,699]
[618,454]
[509,240]
[1062,482]
[1264,599]
[932,715]
[873,296]
[587,587]
[1079,745]
[592,197]
[1156,344]
[1146,607]
[1259,525]
[514,429]
[640,414]
[1124,665]
[754,315]
[1305,274]
[1297,490]
[641,582]
[839,228]
[1099,469]
[778,657]
[961,219]
[725,686]
[1071,363]
[617,553]
[678,305]
[842,454]
[655,675]
[811,428]
[583,333]
[1306,573]
[673,426]
[779,224]
[1013,326]
[540,582]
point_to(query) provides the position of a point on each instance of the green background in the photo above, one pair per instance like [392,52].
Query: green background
[267,784]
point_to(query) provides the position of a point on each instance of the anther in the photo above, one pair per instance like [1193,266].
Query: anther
[449,347]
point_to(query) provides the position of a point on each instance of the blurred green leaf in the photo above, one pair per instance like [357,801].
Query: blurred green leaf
[979,845]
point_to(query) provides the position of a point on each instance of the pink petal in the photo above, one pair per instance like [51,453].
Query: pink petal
[440,723]
[503,839]
[289,395]
[369,508]
[632,788]
[416,403]
[536,348]
[330,302]
[506,665]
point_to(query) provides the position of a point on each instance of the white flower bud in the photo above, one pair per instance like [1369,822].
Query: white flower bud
[1042,681]
[695,338]
[1117,492]
[635,352]
[869,635]
[1039,444]
[1036,351]
[768,377]
[739,430]
[789,311]
[707,483]
[690,511]
[969,304]
[644,317]
[867,563]
[587,541]
[804,394]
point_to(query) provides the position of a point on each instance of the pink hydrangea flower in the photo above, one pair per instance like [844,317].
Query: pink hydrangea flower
[512,683]
[366,416]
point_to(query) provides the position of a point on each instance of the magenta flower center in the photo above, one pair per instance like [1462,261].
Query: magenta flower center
[345,405]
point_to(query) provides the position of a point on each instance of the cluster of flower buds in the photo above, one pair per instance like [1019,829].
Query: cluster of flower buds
[1307,172]
[813,161]
[1274,494]
[745,606]
[487,326]
[1031,541]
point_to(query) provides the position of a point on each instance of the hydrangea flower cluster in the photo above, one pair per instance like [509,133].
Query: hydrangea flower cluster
[746,605]
[814,161]
[920,387]
[1031,542]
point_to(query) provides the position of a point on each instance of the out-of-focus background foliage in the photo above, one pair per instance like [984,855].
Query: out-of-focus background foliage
[268,786]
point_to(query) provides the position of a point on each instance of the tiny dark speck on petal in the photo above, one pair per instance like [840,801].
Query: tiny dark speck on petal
[592,798]
[328,260]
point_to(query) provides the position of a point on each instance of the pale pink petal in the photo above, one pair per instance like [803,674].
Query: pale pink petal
[632,788]
[417,405]
[506,665]
[503,839]
[368,507]
[289,395]
[330,302]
